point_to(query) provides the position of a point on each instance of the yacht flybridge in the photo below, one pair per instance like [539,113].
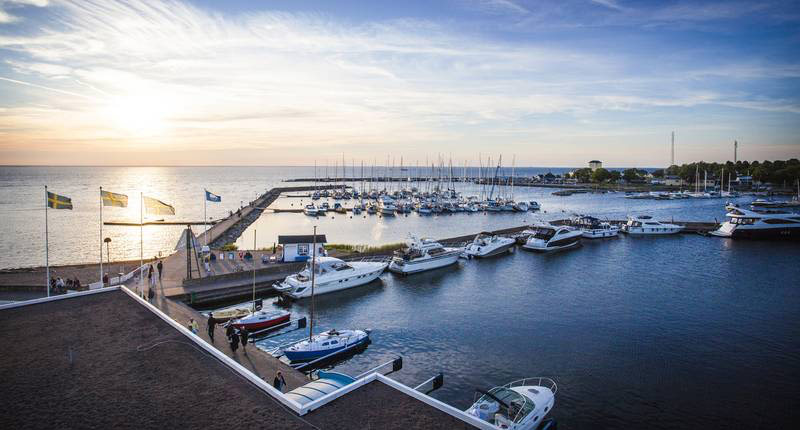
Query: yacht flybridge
[332,274]
[593,228]
[646,225]
[422,254]
[519,405]
[546,238]
[751,224]
[488,244]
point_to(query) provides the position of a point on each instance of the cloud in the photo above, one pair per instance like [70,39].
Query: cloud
[611,4]
[139,74]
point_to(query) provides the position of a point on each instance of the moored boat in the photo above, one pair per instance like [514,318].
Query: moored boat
[262,319]
[332,274]
[764,224]
[325,343]
[488,244]
[646,225]
[422,254]
[519,405]
[548,238]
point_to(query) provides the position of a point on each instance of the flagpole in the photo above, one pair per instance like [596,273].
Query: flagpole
[46,243]
[141,243]
[102,284]
[205,217]
[254,271]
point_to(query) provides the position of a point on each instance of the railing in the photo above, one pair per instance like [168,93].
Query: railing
[369,259]
[538,381]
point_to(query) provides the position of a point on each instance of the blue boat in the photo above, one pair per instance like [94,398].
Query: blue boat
[325,343]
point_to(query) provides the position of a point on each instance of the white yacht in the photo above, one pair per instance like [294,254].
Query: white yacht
[332,274]
[547,237]
[521,206]
[488,244]
[386,206]
[519,405]
[646,225]
[533,206]
[751,224]
[310,210]
[593,228]
[422,254]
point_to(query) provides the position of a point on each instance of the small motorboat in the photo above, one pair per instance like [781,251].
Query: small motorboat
[422,254]
[533,206]
[262,319]
[326,343]
[488,244]
[310,210]
[224,315]
[521,206]
[519,405]
[593,228]
[547,238]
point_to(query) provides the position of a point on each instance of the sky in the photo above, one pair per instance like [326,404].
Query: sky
[293,82]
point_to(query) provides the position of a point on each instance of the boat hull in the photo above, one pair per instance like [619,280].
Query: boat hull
[599,234]
[300,356]
[480,252]
[260,325]
[778,233]
[409,267]
[552,246]
[333,285]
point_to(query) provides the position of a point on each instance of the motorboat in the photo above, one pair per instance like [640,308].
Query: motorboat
[533,206]
[547,238]
[326,343]
[646,225]
[324,207]
[310,210]
[262,319]
[488,244]
[422,254]
[519,405]
[521,206]
[593,228]
[386,206]
[764,224]
[331,274]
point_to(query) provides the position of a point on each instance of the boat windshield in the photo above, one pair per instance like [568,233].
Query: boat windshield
[516,406]
[544,233]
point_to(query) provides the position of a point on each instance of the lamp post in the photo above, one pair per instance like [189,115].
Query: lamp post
[108,252]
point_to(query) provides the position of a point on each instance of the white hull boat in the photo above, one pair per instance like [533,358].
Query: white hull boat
[332,274]
[423,254]
[487,245]
[549,238]
[645,225]
[519,405]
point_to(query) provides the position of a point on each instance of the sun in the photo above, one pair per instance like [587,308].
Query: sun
[138,115]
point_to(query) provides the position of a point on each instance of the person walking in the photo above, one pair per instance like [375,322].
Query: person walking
[234,339]
[279,382]
[212,323]
[244,334]
[160,267]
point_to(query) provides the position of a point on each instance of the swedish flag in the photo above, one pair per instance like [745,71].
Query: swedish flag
[114,199]
[56,201]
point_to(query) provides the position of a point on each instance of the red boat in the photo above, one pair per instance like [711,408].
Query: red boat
[262,319]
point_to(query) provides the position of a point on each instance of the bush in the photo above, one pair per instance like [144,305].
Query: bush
[346,247]
[230,247]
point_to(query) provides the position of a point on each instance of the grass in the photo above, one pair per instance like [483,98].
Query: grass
[364,249]
[230,247]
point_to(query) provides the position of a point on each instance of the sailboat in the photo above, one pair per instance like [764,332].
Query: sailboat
[326,343]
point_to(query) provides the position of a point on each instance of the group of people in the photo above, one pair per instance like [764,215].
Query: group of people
[151,278]
[60,286]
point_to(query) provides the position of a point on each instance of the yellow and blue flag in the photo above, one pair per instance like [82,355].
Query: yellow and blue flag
[157,207]
[114,199]
[56,201]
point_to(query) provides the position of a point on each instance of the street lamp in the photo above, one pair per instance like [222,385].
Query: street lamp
[108,252]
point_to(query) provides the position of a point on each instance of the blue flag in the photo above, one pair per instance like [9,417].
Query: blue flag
[213,197]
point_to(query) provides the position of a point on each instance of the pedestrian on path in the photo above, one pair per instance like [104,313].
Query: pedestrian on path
[193,325]
[212,323]
[160,267]
[150,294]
[244,334]
[234,339]
[279,382]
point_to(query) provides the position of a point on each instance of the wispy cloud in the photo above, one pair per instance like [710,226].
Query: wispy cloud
[140,74]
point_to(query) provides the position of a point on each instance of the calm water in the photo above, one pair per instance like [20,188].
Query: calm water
[672,332]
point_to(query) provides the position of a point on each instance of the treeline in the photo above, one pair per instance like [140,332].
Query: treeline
[775,172]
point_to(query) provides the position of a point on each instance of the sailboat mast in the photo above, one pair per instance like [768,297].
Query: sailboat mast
[313,272]
[255,247]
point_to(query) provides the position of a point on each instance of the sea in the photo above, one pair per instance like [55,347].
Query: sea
[674,332]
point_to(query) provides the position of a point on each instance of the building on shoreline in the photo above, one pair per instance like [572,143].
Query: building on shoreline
[595,164]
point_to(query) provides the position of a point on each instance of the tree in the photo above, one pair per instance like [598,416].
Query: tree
[583,175]
[615,175]
[600,175]
[630,175]
[658,173]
